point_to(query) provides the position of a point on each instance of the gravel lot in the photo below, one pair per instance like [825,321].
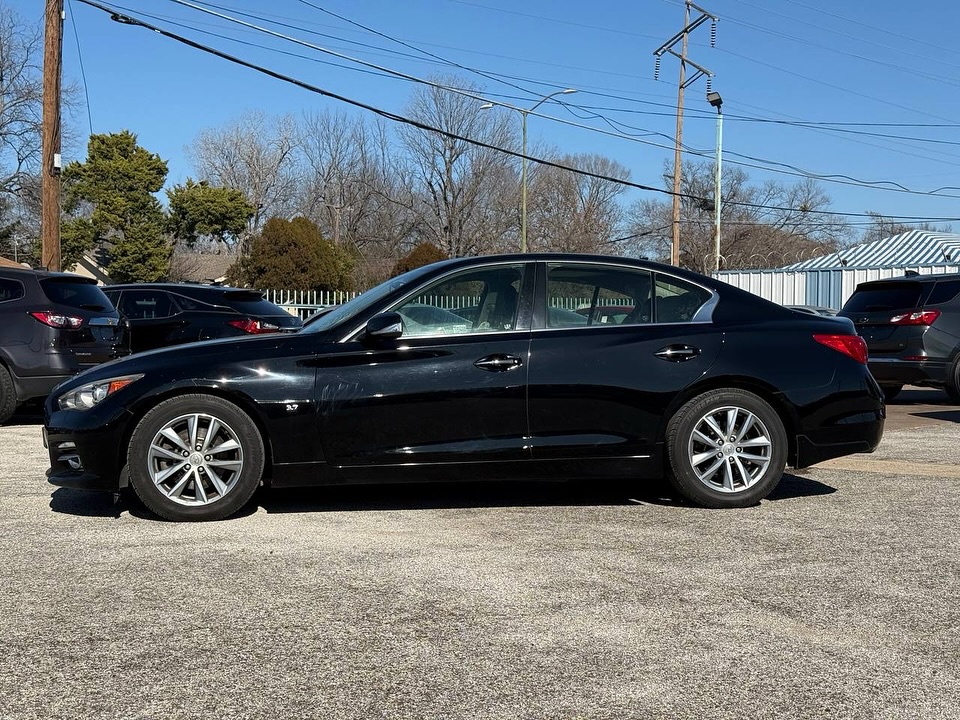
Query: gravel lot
[837,598]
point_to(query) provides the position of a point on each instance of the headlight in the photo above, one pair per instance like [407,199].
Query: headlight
[86,396]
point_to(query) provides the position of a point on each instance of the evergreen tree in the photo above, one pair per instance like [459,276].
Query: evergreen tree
[111,196]
[293,254]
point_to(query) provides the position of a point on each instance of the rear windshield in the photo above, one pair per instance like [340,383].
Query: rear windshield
[75,293]
[888,296]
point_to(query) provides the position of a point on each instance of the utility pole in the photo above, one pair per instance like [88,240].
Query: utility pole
[50,137]
[681,37]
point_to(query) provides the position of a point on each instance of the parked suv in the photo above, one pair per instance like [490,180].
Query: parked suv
[162,314]
[912,329]
[52,326]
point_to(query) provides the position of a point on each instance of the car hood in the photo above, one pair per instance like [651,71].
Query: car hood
[177,356]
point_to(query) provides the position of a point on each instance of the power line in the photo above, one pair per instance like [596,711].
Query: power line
[128,20]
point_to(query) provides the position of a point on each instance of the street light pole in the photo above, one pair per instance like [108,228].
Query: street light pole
[523,156]
[716,101]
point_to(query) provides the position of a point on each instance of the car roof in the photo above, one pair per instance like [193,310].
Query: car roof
[927,278]
[43,274]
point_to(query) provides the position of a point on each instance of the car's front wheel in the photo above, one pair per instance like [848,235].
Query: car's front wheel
[195,457]
[727,448]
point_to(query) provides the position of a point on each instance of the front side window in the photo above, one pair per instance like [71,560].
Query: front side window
[484,300]
[583,295]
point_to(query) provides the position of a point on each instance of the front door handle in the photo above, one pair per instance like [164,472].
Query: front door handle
[499,363]
[678,353]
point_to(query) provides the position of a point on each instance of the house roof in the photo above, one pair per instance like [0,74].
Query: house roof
[202,267]
[6,262]
[910,249]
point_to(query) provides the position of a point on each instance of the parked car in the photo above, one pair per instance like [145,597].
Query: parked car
[162,314]
[709,385]
[912,328]
[52,326]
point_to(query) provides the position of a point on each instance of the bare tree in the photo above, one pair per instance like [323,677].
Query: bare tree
[572,212]
[459,186]
[883,227]
[255,155]
[769,225]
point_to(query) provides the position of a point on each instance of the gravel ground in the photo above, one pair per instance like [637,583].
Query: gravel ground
[839,597]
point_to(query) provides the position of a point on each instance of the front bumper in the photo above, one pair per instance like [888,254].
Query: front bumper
[86,448]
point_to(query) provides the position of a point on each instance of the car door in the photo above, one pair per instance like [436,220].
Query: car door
[599,389]
[450,389]
[153,317]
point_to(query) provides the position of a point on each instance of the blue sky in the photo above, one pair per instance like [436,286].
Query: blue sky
[896,67]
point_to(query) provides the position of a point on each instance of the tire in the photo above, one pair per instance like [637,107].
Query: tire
[182,471]
[952,386]
[890,391]
[722,473]
[8,395]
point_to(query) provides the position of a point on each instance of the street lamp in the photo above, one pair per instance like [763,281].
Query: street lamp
[523,157]
[716,101]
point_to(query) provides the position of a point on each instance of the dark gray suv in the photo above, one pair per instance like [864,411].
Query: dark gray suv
[52,326]
[912,329]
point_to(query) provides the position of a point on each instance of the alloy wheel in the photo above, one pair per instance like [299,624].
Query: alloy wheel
[729,449]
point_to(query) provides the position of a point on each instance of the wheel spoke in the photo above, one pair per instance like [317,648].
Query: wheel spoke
[701,458]
[162,451]
[745,476]
[192,422]
[201,492]
[710,470]
[211,433]
[747,425]
[756,459]
[177,489]
[704,439]
[709,420]
[731,422]
[172,470]
[173,437]
[759,441]
[728,476]
[225,464]
[218,483]
[226,446]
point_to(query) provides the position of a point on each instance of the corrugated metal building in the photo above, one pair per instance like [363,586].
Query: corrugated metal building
[830,279]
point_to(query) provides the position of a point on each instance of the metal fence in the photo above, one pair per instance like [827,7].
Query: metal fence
[828,288]
[306,302]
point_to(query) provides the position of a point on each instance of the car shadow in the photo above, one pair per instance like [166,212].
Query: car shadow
[794,486]
[427,496]
[945,415]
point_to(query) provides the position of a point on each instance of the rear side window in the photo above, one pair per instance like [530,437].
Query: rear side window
[75,293]
[886,296]
[10,290]
[943,291]
[146,305]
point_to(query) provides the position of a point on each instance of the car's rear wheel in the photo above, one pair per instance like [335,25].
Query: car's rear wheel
[952,386]
[727,448]
[195,457]
[8,396]
[890,391]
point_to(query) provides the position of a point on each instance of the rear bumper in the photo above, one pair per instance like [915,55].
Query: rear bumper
[893,371]
[38,386]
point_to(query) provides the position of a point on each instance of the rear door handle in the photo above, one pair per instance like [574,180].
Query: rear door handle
[499,363]
[678,353]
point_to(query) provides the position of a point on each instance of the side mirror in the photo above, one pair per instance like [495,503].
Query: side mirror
[386,326]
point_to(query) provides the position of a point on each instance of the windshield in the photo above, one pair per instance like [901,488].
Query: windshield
[883,297]
[364,301]
[78,293]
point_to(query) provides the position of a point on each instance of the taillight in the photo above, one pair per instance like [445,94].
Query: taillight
[850,345]
[254,327]
[58,320]
[920,317]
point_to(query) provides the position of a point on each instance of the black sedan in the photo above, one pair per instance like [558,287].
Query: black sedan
[701,382]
